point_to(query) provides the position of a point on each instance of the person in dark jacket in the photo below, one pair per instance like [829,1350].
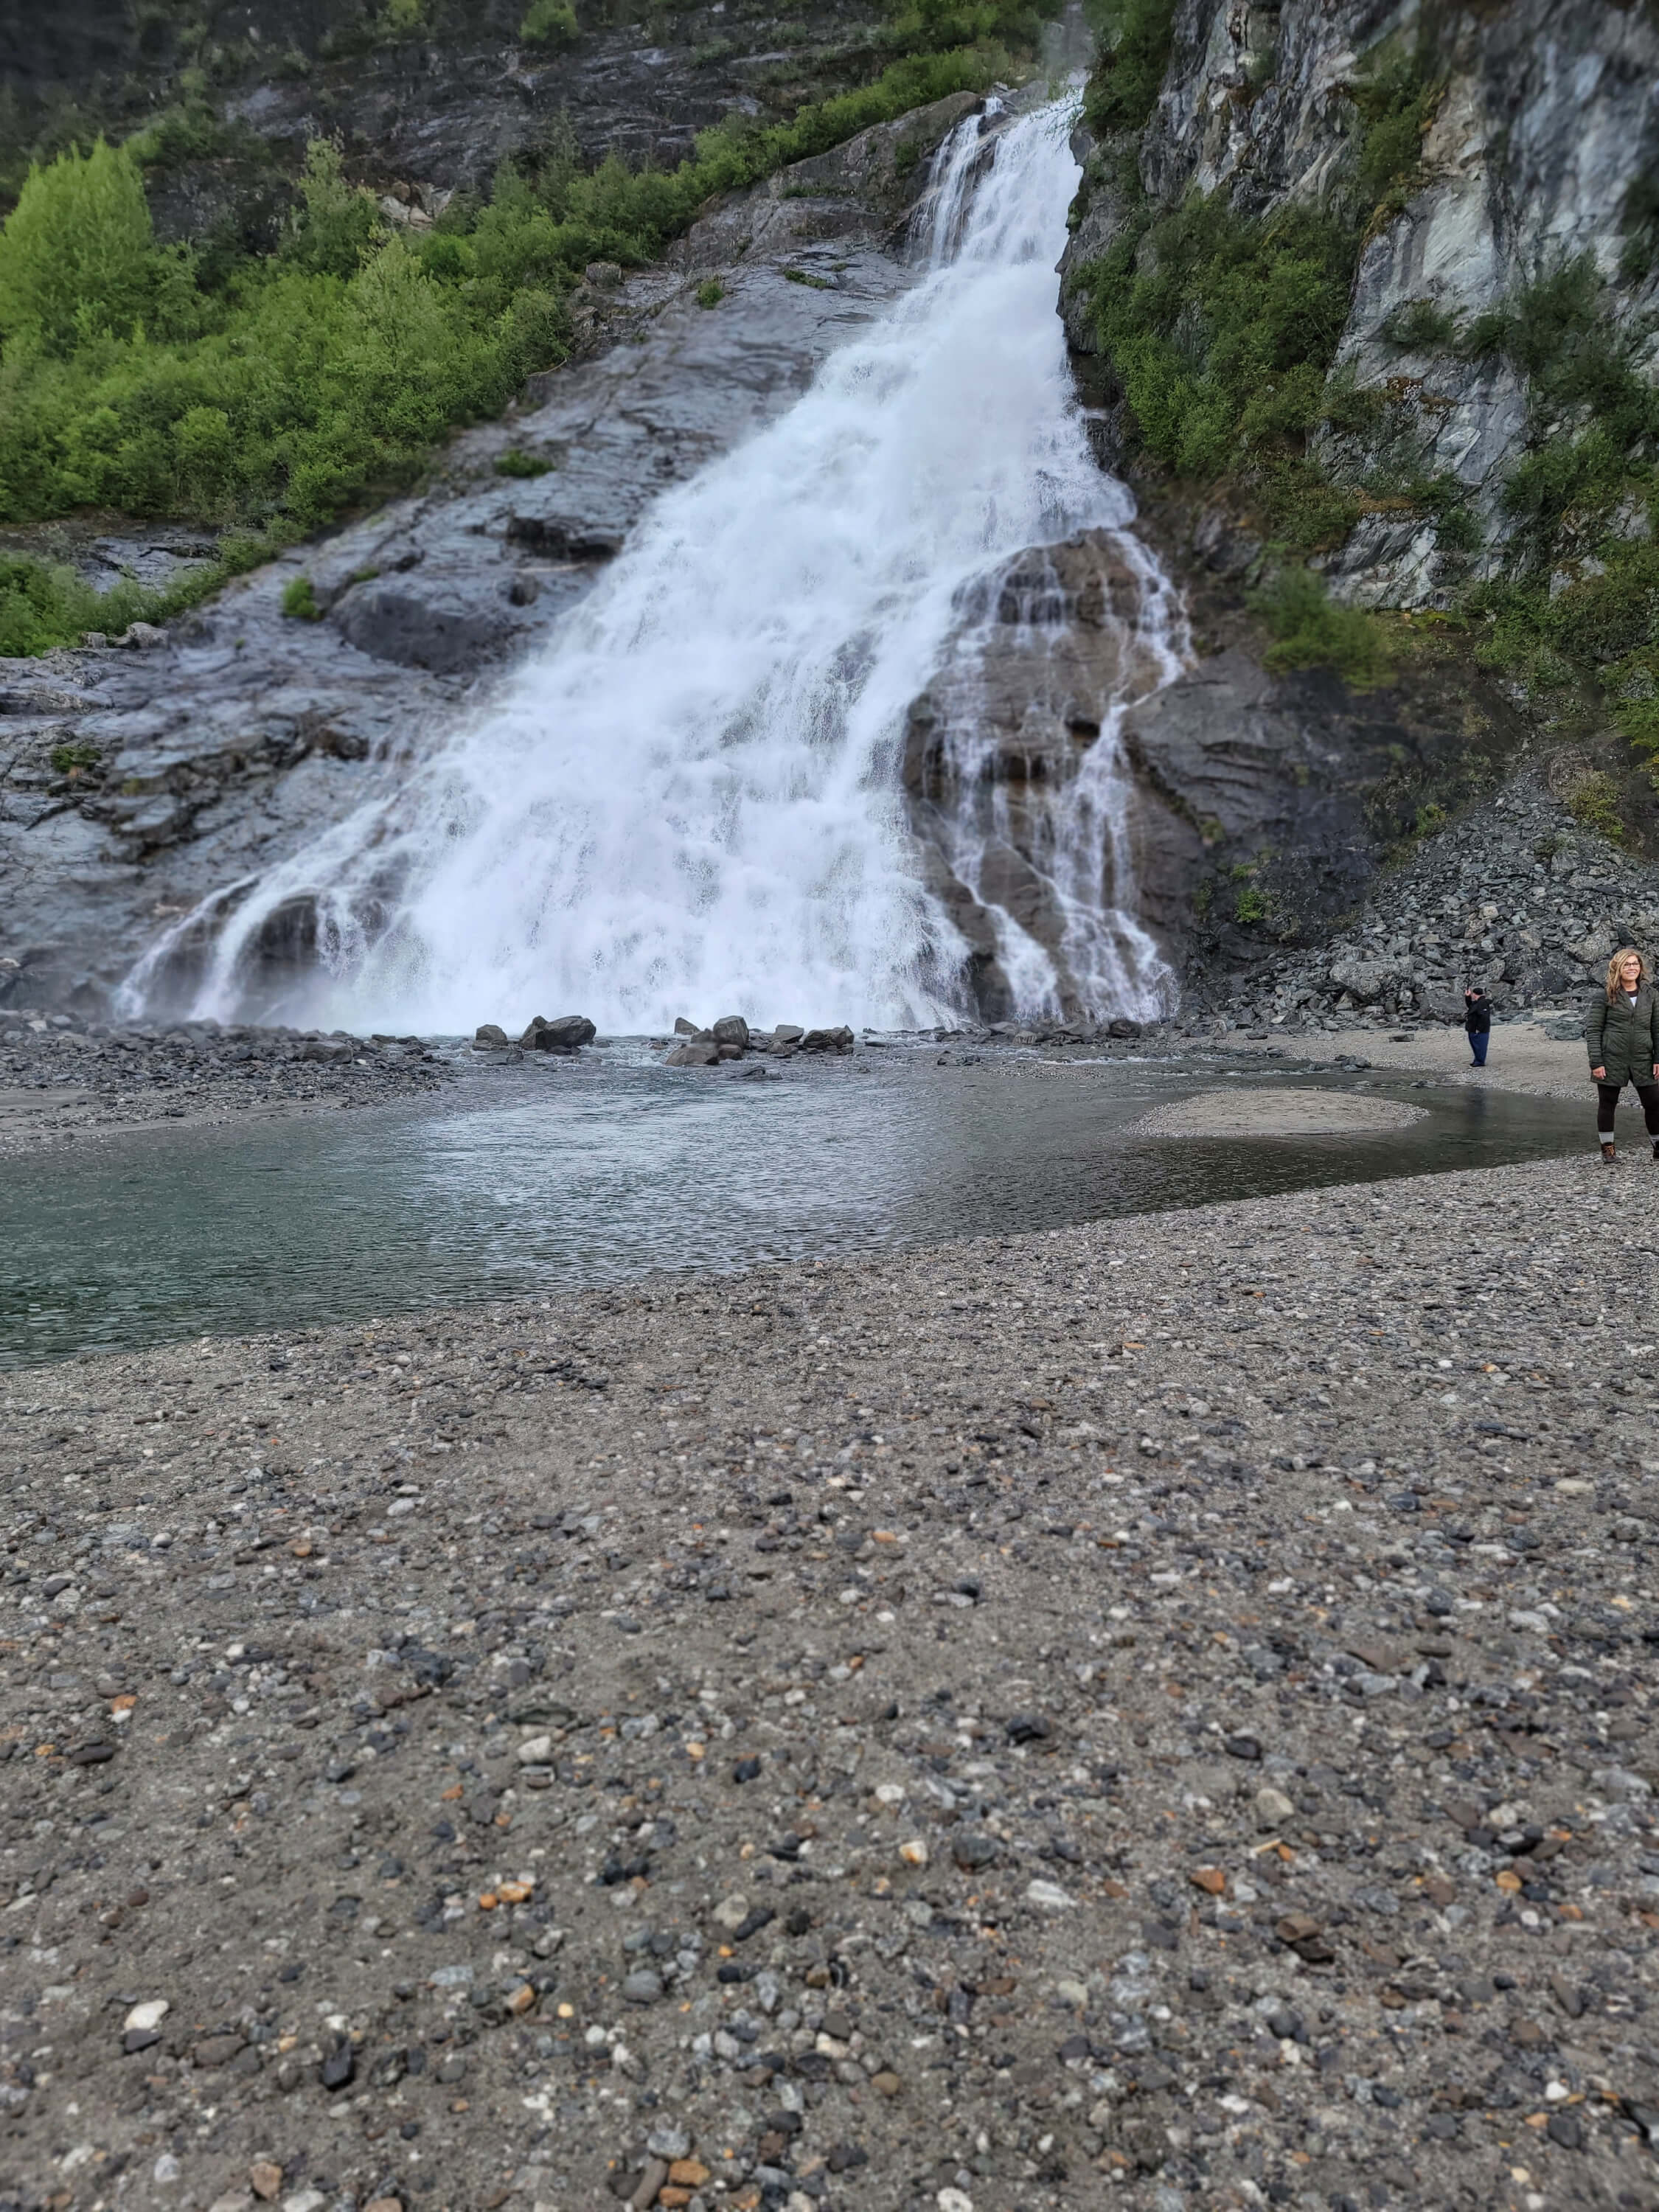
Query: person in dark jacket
[1622,1037]
[1477,1020]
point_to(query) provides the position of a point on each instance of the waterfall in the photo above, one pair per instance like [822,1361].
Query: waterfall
[690,799]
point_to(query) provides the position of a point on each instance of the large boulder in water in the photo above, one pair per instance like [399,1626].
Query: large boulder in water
[731,1029]
[568,1033]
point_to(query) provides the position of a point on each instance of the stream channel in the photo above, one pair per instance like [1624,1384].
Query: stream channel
[556,1178]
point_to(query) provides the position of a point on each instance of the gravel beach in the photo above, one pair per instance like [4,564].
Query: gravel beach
[61,1079]
[1154,1714]
[1522,1056]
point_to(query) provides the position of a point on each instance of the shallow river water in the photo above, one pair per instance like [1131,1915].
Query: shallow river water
[552,1178]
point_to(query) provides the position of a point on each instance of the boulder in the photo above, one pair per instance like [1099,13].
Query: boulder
[682,1028]
[490,1036]
[731,1029]
[1366,981]
[788,1033]
[693,1054]
[568,1033]
[836,1039]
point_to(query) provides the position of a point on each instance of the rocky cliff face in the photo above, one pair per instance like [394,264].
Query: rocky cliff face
[425,99]
[1477,445]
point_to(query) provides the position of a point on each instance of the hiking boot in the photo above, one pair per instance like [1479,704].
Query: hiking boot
[1607,1153]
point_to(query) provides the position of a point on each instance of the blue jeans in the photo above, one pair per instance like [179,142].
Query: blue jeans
[1479,1040]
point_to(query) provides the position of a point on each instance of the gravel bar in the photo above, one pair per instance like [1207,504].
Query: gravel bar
[62,1078]
[1153,1715]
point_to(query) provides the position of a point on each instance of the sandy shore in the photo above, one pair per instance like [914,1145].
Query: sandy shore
[1520,1057]
[1271,1113]
[1114,1716]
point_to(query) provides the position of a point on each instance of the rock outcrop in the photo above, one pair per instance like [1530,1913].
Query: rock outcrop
[1011,757]
[1540,123]
[1501,234]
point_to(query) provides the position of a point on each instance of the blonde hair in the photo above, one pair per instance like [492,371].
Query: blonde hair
[1615,981]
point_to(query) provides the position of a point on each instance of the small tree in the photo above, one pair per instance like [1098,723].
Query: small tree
[77,254]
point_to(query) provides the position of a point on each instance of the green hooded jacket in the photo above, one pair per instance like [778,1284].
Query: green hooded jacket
[1622,1038]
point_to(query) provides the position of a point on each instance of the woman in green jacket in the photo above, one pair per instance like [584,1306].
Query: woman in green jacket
[1622,1036]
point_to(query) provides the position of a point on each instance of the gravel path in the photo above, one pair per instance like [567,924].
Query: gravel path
[1155,1715]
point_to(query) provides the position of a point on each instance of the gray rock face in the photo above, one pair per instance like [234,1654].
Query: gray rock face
[1044,660]
[1549,114]
[132,785]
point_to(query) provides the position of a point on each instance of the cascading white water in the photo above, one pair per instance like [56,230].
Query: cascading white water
[688,800]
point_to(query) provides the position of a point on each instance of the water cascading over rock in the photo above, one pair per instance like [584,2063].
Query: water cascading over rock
[712,787]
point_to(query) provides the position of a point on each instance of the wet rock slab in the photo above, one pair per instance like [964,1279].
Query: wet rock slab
[1160,1712]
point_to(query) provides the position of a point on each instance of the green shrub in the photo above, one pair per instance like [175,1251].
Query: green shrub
[1594,800]
[1135,39]
[45,604]
[1396,100]
[550,23]
[710,292]
[321,375]
[1420,327]
[1310,630]
[300,600]
[1252,905]
[1221,328]
[514,462]
[805,277]
[77,255]
[74,760]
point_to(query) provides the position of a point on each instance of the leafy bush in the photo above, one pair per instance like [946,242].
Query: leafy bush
[78,258]
[515,461]
[710,292]
[300,600]
[1135,39]
[1395,100]
[325,374]
[75,759]
[1594,800]
[1221,328]
[1310,630]
[1420,327]
[44,603]
[550,23]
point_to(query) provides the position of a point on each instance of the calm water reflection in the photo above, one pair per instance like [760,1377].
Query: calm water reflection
[545,1178]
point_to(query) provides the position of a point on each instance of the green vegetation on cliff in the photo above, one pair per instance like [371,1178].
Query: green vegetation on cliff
[271,393]
[1221,325]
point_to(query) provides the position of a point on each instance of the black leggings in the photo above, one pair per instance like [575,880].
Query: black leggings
[1607,1100]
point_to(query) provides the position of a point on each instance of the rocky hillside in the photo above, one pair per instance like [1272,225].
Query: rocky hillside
[1362,295]
[427,97]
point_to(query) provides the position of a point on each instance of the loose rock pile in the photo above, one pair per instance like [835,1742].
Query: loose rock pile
[96,1077]
[1520,898]
[732,1038]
